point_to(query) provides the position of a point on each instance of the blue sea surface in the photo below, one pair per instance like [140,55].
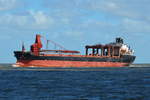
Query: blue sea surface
[126,83]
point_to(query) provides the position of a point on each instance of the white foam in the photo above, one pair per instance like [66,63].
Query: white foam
[15,65]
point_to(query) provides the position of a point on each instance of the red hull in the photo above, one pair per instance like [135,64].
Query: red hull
[55,63]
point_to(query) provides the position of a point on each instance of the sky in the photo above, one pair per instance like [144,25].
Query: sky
[74,24]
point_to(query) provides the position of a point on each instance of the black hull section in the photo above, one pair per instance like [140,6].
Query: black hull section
[29,57]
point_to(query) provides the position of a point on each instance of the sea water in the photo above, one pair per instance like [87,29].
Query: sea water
[126,83]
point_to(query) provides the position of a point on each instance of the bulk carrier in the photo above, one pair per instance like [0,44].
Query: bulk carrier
[115,54]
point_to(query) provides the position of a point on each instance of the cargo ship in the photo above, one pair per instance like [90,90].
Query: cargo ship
[114,54]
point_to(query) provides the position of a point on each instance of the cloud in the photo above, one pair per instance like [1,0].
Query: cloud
[130,16]
[81,16]
[32,20]
[135,26]
[40,19]
[8,4]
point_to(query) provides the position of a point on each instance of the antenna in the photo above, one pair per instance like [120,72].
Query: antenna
[23,48]
[47,44]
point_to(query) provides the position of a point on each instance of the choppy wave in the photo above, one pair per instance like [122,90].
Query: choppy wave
[126,83]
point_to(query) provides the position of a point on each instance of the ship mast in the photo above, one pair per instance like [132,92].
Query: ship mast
[23,48]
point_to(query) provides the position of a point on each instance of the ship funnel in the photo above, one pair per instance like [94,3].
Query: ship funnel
[38,41]
[119,40]
[35,48]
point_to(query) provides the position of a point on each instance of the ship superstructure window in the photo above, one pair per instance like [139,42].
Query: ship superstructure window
[111,51]
[116,51]
[89,52]
[99,52]
[105,51]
